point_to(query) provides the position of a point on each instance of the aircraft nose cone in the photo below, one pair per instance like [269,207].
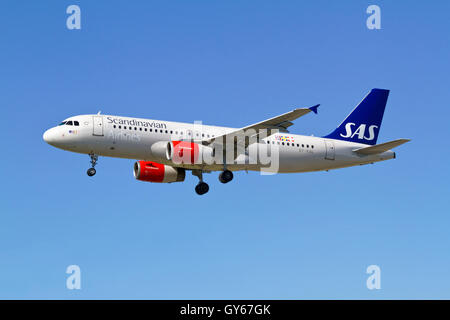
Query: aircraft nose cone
[48,136]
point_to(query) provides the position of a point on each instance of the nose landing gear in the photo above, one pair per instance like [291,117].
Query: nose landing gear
[91,171]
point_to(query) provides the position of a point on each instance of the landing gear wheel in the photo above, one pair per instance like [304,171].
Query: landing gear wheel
[91,172]
[226,176]
[201,188]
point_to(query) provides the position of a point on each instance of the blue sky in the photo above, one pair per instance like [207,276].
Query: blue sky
[228,63]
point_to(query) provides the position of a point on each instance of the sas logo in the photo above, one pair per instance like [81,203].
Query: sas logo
[360,132]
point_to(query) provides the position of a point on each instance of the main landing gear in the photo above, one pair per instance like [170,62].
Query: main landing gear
[202,187]
[91,171]
[226,176]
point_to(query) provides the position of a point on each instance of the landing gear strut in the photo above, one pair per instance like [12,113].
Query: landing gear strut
[202,187]
[226,176]
[91,171]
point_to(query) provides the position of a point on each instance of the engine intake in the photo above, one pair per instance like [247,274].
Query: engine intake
[157,172]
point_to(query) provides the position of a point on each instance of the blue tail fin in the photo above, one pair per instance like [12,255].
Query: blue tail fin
[363,123]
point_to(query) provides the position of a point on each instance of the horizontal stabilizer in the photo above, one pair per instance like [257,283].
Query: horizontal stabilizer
[380,148]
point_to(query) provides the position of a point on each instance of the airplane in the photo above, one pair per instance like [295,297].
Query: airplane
[166,150]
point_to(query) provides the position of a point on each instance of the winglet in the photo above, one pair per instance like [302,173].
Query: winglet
[314,108]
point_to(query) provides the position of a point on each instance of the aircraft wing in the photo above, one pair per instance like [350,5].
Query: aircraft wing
[279,123]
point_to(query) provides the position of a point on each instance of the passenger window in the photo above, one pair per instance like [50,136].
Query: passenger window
[312,147]
[129,128]
[303,145]
[120,127]
[307,145]
[287,143]
[151,130]
[298,145]
[282,143]
[171,131]
[114,126]
[145,129]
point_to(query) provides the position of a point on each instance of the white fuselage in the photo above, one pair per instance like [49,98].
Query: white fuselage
[132,138]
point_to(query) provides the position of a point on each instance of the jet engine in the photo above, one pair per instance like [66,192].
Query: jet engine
[157,172]
[182,152]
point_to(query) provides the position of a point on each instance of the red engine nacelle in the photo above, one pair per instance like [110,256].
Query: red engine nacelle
[185,152]
[157,172]
[182,152]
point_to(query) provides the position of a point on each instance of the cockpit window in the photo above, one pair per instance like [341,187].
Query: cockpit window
[69,123]
[76,123]
[62,123]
